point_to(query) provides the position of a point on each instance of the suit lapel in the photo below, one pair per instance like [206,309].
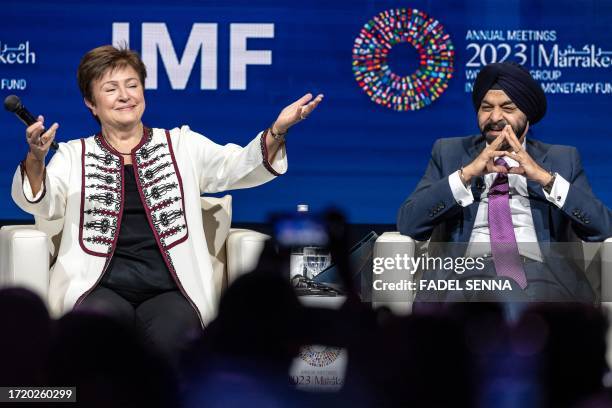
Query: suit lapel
[539,205]
[469,213]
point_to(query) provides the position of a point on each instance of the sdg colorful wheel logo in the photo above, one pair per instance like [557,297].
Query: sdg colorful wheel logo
[370,59]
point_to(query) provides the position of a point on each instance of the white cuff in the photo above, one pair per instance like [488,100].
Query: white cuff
[559,191]
[279,164]
[27,190]
[462,195]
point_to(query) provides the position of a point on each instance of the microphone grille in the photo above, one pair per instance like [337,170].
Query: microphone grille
[12,103]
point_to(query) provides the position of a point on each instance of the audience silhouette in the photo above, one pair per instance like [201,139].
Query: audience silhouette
[452,355]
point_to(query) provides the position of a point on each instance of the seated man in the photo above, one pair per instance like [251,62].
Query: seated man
[509,197]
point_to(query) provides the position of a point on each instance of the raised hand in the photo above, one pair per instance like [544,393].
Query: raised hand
[484,163]
[296,112]
[38,141]
[527,166]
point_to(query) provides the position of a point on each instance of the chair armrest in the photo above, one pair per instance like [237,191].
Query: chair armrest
[606,256]
[24,258]
[606,295]
[606,271]
[394,242]
[243,250]
[388,245]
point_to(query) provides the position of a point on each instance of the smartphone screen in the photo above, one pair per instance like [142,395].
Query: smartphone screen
[299,230]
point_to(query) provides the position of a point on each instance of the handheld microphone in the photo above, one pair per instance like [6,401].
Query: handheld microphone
[12,103]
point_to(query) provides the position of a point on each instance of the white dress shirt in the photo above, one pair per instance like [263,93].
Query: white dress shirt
[520,208]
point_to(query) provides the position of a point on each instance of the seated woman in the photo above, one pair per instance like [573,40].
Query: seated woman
[132,244]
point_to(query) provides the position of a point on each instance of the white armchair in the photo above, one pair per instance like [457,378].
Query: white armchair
[594,259]
[594,256]
[28,251]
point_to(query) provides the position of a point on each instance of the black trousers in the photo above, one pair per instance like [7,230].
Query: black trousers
[543,285]
[167,320]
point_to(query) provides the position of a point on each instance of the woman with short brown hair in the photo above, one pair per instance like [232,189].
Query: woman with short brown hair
[132,243]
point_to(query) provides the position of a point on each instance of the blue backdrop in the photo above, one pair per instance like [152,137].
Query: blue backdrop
[352,152]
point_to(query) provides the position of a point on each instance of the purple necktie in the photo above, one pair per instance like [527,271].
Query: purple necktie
[503,241]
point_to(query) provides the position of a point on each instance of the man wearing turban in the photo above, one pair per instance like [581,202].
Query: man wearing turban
[506,196]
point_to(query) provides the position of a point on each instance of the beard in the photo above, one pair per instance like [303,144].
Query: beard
[489,126]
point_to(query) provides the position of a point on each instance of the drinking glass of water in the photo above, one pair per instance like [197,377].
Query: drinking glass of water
[316,259]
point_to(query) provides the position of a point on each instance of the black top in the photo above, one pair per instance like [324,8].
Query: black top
[137,266]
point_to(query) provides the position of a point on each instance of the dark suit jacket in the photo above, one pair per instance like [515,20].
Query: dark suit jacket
[431,206]
[431,211]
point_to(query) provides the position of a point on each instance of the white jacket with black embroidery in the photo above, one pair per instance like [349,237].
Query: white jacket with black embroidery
[83,185]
